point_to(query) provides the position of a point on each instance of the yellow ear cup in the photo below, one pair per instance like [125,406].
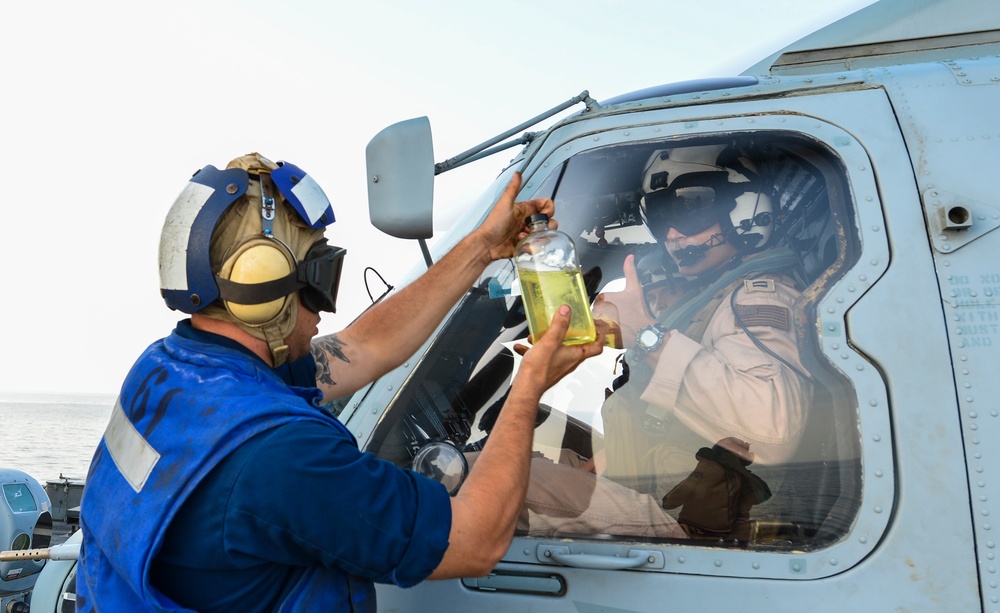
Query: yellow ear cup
[259,264]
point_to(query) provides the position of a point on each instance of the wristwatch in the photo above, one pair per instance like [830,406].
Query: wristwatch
[649,339]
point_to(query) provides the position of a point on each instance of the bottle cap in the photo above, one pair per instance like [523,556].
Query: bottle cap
[536,218]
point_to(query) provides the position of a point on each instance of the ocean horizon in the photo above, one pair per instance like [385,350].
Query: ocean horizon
[48,435]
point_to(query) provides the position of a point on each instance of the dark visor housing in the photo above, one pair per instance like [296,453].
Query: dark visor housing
[693,203]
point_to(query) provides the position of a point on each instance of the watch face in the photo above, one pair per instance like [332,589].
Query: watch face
[648,338]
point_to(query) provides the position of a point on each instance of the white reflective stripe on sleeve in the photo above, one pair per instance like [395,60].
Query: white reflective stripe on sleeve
[177,231]
[311,195]
[133,455]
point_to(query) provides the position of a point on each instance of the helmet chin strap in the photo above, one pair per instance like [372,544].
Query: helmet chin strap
[276,344]
[693,254]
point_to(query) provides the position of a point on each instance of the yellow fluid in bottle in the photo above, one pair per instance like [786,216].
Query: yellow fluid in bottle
[544,292]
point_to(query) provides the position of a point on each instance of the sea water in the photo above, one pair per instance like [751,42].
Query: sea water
[48,435]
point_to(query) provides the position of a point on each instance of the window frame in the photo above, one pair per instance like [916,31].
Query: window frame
[828,317]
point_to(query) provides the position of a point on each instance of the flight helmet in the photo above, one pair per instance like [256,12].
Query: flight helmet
[662,284]
[656,270]
[693,188]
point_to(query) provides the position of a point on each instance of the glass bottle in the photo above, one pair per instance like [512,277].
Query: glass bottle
[550,276]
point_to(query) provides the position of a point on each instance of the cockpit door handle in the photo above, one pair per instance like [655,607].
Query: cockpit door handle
[634,558]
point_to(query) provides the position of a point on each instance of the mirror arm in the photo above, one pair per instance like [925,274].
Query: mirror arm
[427,252]
[483,148]
[451,164]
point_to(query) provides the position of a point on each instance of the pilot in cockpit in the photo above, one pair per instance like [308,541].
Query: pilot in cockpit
[714,377]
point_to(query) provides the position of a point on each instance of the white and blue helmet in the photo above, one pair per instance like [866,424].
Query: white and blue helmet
[245,244]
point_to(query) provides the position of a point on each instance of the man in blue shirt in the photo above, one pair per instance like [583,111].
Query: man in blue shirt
[221,484]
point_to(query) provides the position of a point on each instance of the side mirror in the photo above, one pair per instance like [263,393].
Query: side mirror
[400,165]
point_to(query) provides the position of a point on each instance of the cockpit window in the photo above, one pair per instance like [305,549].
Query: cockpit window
[19,497]
[718,420]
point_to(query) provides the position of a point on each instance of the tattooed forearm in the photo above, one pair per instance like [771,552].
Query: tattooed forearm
[322,349]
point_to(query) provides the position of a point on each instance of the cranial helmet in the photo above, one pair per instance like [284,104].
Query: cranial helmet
[693,188]
[656,270]
[246,245]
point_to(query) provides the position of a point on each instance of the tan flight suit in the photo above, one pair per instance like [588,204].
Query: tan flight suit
[704,391]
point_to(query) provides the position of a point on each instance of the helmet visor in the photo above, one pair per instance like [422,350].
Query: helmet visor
[689,210]
[320,272]
[690,205]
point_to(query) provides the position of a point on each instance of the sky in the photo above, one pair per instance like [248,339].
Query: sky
[110,106]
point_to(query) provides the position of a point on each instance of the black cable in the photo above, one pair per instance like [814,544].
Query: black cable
[388,288]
